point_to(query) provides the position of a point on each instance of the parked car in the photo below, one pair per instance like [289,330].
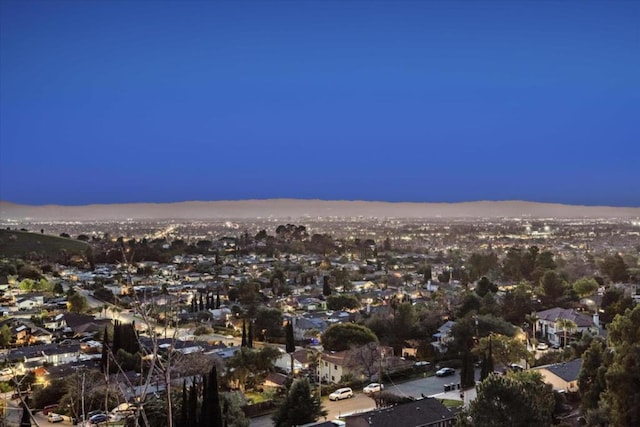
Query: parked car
[54,418]
[373,388]
[542,346]
[49,408]
[422,364]
[99,418]
[516,367]
[341,393]
[445,372]
[92,413]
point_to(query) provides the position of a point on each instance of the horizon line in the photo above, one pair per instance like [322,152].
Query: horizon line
[317,200]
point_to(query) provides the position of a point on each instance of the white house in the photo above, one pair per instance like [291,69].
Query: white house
[443,336]
[332,367]
[30,302]
[549,328]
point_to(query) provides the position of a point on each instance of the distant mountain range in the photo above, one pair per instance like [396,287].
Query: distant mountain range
[297,208]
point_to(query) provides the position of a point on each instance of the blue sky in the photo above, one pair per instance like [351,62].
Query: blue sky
[148,101]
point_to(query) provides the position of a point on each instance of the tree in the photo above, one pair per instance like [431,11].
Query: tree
[58,289]
[623,374]
[342,302]
[243,343]
[615,268]
[566,325]
[503,349]
[326,287]
[517,400]
[77,303]
[467,374]
[341,336]
[484,286]
[585,286]
[553,288]
[269,322]
[5,336]
[591,380]
[299,407]
[290,342]
[365,359]
[211,400]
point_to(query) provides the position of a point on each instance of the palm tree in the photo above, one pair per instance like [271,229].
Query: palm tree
[533,320]
[566,325]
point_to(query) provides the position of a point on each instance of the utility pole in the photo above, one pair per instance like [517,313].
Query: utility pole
[379,402]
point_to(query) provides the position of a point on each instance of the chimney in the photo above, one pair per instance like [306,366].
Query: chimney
[596,319]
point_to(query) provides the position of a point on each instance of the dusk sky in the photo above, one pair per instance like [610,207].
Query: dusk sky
[149,101]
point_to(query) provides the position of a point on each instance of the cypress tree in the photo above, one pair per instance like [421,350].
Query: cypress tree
[205,410]
[193,404]
[184,420]
[213,399]
[290,343]
[244,334]
[105,354]
[490,367]
[201,304]
[326,288]
[116,337]
[218,298]
[250,337]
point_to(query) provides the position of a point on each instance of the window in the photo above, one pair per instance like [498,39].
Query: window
[333,378]
[335,367]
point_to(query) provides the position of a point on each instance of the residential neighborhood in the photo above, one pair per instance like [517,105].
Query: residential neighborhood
[146,318]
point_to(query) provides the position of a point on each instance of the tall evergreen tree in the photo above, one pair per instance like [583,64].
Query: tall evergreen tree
[326,288]
[116,337]
[201,303]
[213,399]
[192,411]
[299,407]
[250,335]
[184,416]
[290,343]
[205,409]
[218,298]
[467,375]
[244,334]
[105,353]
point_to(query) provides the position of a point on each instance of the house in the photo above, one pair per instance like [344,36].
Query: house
[563,377]
[549,328]
[82,324]
[275,381]
[300,361]
[427,412]
[55,323]
[30,302]
[305,327]
[443,336]
[333,366]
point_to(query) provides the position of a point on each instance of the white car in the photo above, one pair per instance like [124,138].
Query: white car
[54,418]
[341,393]
[542,346]
[373,388]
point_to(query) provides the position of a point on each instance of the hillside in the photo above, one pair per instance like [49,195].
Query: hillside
[296,208]
[20,243]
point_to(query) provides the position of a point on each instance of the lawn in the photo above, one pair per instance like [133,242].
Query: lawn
[20,243]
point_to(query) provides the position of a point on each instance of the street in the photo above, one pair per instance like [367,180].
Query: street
[427,386]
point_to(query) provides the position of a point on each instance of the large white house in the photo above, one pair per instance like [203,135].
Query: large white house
[549,328]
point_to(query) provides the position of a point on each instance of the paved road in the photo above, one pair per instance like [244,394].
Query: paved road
[427,386]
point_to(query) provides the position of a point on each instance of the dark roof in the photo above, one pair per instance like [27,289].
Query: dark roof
[421,412]
[556,313]
[568,371]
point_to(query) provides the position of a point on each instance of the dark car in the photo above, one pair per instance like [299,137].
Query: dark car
[445,372]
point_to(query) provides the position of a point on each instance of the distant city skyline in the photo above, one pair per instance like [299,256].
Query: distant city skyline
[145,101]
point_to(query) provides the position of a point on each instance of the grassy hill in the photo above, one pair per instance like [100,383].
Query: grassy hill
[20,243]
